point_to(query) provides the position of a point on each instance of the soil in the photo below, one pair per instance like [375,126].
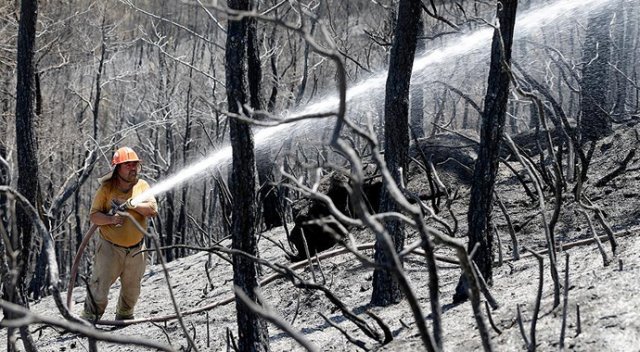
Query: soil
[606,296]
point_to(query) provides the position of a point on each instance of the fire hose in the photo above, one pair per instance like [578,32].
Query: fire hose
[115,207]
[76,262]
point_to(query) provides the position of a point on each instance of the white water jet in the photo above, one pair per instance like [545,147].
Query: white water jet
[463,45]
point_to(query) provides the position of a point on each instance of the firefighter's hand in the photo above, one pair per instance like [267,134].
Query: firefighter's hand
[117,220]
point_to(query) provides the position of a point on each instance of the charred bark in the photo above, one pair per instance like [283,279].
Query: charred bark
[595,121]
[27,150]
[169,238]
[417,94]
[386,290]
[624,45]
[486,168]
[252,329]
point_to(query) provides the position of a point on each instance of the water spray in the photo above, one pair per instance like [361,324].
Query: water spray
[464,45]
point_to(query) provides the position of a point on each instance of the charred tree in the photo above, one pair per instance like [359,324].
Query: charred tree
[186,146]
[4,168]
[254,66]
[27,150]
[169,222]
[273,63]
[624,24]
[386,289]
[269,197]
[252,329]
[170,215]
[595,121]
[486,167]
[4,210]
[268,194]
[417,93]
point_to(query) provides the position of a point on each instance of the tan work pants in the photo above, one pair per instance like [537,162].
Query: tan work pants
[110,263]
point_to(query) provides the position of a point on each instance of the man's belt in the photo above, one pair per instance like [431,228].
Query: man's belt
[130,247]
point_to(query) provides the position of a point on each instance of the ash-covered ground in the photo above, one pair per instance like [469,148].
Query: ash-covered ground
[606,296]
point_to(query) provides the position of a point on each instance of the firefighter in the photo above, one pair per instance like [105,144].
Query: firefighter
[119,239]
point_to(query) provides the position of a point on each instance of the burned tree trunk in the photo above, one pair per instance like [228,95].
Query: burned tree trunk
[254,66]
[417,94]
[252,329]
[169,221]
[26,143]
[486,168]
[270,197]
[4,167]
[4,211]
[386,290]
[595,121]
[623,30]
[168,239]
[186,146]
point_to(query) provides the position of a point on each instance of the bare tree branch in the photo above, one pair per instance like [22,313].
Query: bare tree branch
[272,317]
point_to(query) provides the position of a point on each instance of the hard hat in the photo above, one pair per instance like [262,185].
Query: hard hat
[123,155]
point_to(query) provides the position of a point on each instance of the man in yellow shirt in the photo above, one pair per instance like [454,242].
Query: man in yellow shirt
[119,238]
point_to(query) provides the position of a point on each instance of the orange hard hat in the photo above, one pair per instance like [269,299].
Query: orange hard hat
[123,155]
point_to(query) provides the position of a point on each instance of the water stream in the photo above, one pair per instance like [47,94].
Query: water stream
[477,43]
